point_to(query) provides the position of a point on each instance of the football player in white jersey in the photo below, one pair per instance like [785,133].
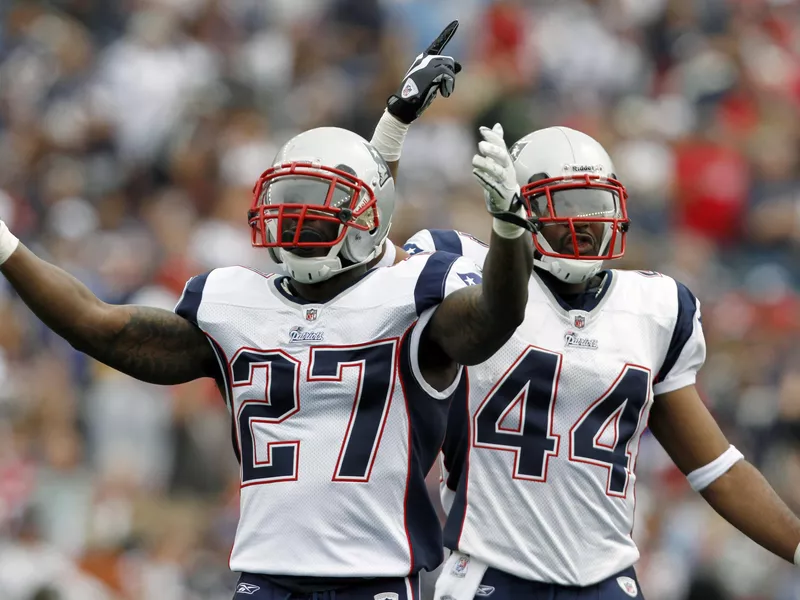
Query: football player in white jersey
[541,447]
[337,378]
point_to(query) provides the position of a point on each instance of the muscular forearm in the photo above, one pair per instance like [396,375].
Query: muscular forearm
[506,275]
[150,344]
[744,498]
[62,302]
[474,323]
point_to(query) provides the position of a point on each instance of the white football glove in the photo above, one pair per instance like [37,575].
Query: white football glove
[494,169]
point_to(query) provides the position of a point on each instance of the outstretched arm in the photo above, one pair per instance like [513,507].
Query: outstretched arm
[735,489]
[472,324]
[150,344]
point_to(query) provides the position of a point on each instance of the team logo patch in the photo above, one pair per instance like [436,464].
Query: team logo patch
[409,89]
[628,586]
[470,278]
[412,248]
[298,334]
[461,566]
[383,168]
[387,596]
[247,588]
[311,314]
[573,340]
[517,148]
[484,590]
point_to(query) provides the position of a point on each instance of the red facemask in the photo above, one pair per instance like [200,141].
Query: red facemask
[576,201]
[287,194]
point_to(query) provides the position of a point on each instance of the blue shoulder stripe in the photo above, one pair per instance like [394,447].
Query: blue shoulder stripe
[429,290]
[446,240]
[189,303]
[684,327]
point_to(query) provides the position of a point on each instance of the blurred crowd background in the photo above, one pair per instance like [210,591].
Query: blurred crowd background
[131,132]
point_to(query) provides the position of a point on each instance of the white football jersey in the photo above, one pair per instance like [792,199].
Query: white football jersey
[540,454]
[334,427]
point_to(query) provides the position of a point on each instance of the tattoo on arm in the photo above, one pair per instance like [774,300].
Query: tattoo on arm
[153,345]
[463,328]
[473,323]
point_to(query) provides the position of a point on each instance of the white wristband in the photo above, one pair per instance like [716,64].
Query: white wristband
[508,230]
[703,477]
[389,137]
[8,243]
[797,556]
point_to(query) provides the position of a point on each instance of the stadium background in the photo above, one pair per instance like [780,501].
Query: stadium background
[132,130]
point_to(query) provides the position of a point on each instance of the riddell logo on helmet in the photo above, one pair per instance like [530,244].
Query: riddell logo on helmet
[584,168]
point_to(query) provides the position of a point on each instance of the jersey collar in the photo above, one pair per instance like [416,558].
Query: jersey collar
[587,302]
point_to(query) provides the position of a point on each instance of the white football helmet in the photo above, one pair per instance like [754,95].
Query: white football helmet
[567,178]
[327,174]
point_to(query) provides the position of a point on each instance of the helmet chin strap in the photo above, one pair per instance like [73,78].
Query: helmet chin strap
[321,268]
[570,270]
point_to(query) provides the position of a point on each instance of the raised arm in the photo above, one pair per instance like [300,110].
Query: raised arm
[473,323]
[429,74]
[150,344]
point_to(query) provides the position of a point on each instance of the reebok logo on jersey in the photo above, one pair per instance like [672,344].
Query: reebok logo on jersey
[247,588]
[409,89]
[387,596]
[297,335]
[573,340]
[628,586]
[484,590]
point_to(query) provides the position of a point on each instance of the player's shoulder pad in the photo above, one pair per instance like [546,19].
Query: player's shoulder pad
[657,294]
[227,285]
[437,274]
[432,240]
[447,240]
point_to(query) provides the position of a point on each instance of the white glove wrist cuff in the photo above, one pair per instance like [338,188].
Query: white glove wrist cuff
[8,243]
[389,137]
[797,556]
[508,230]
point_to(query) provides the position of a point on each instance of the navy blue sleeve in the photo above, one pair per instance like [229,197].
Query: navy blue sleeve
[446,240]
[189,303]
[430,287]
[187,308]
[684,327]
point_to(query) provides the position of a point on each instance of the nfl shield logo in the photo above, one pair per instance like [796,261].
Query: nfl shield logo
[461,566]
[311,314]
[579,321]
[628,586]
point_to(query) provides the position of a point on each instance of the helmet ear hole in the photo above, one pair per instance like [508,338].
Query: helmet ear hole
[538,177]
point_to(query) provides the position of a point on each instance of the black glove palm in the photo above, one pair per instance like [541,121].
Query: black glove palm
[429,74]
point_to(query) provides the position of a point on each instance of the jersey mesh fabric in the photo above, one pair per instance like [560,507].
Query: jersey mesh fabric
[567,519]
[311,519]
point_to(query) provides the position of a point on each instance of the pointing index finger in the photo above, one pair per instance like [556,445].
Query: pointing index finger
[437,46]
